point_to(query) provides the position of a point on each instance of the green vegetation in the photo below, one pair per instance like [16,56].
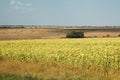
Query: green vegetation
[79,59]
[15,77]
[75,34]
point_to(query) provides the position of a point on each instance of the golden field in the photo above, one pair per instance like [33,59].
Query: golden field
[62,59]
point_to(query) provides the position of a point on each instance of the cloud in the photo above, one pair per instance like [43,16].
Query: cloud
[12,2]
[19,5]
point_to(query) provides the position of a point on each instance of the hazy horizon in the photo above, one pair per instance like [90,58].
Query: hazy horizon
[60,12]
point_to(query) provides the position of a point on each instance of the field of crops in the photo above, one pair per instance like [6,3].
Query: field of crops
[68,59]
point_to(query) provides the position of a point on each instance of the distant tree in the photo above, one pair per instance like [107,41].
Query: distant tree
[75,34]
[107,35]
[119,35]
[95,36]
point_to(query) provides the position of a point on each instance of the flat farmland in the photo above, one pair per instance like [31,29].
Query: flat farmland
[46,54]
[11,34]
[60,59]
[46,33]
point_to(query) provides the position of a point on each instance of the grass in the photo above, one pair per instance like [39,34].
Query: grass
[61,59]
[15,77]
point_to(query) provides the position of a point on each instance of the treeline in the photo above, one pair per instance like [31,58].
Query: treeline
[11,26]
[51,26]
[28,26]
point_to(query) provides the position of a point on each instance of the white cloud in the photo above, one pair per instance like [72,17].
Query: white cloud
[18,4]
[12,2]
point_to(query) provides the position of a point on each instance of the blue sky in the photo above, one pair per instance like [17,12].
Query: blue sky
[60,12]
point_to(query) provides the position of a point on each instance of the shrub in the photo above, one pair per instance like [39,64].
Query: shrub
[95,36]
[119,35]
[75,34]
[107,35]
[103,36]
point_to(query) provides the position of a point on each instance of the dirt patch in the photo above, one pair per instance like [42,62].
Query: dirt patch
[38,33]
